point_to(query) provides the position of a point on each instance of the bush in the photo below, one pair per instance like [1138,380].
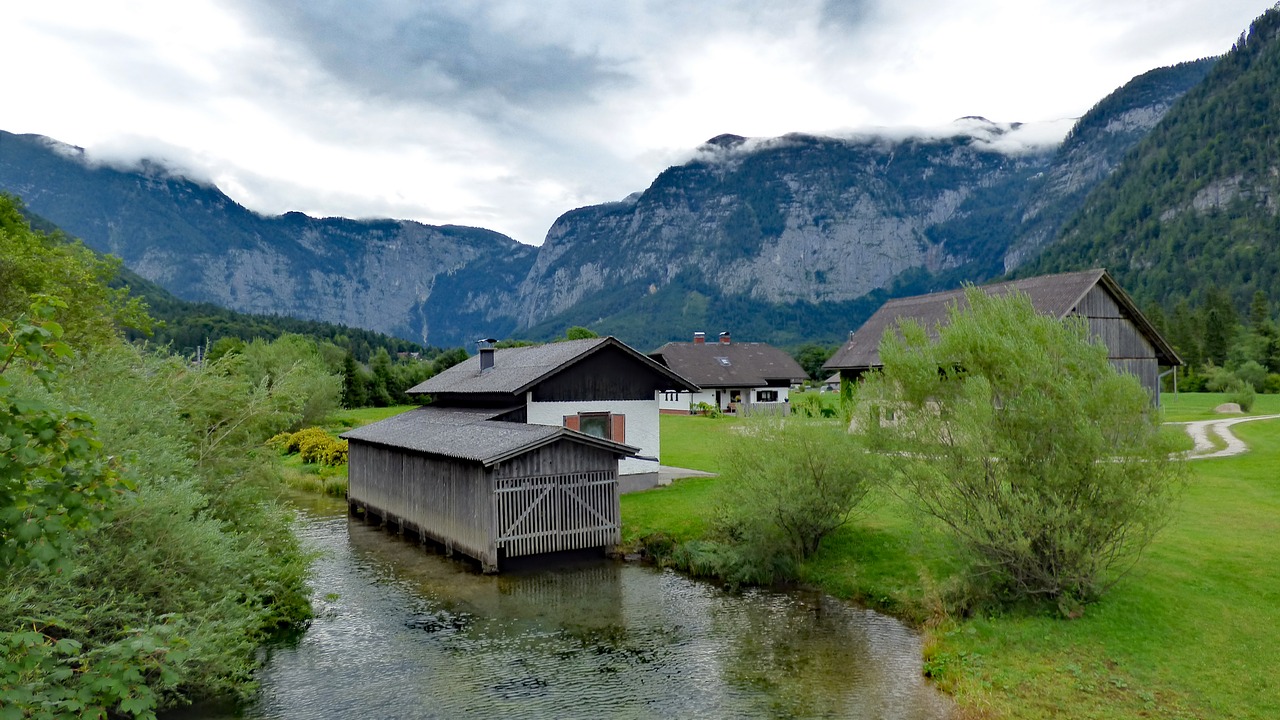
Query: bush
[307,436]
[1015,432]
[789,482]
[335,454]
[707,409]
[1242,394]
[1271,386]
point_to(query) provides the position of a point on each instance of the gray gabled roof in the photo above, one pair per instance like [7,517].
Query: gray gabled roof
[471,434]
[735,364]
[1053,295]
[518,369]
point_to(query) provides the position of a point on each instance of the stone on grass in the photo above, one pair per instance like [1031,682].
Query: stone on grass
[1228,409]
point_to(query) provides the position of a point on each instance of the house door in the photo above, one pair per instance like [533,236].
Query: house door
[549,513]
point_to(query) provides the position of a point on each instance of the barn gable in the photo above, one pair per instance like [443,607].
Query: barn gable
[1133,344]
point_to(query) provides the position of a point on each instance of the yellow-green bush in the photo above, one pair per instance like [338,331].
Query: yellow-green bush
[336,453]
[303,436]
[313,445]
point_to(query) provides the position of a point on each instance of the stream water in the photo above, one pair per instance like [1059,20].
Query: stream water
[402,632]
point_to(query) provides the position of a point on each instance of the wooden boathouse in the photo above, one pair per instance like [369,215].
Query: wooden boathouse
[1133,344]
[519,452]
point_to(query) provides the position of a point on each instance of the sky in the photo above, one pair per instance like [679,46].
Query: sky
[504,114]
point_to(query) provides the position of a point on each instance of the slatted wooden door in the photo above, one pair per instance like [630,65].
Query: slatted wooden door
[548,513]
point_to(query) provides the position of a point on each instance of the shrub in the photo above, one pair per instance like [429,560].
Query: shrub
[789,482]
[306,435]
[707,409]
[335,454]
[1271,385]
[314,447]
[1242,394]
[279,441]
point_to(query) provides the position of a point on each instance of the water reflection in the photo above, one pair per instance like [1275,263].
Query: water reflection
[405,633]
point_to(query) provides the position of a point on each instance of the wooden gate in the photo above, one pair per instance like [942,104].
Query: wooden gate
[548,513]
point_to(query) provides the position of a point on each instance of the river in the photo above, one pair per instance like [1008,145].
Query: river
[402,632]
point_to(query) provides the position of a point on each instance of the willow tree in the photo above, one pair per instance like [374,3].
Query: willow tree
[1014,431]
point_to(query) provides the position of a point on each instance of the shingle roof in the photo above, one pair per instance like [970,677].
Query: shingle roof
[1053,295]
[517,369]
[736,364]
[470,434]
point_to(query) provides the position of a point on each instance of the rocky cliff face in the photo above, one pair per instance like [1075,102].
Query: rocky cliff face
[797,218]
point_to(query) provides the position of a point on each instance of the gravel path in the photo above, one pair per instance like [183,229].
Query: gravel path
[1200,429]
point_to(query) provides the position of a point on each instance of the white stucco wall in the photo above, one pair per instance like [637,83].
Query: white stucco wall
[686,400]
[642,425]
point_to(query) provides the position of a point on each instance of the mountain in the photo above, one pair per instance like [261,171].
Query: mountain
[441,285]
[800,238]
[789,240]
[1195,207]
[1094,148]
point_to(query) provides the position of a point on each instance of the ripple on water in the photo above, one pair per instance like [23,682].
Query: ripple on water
[404,633]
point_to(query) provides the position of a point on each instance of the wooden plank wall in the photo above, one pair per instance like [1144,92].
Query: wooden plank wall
[573,489]
[1127,349]
[551,513]
[447,501]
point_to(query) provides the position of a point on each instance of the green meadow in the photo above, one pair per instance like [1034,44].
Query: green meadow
[1188,632]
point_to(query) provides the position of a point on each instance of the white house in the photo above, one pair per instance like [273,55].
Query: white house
[737,377]
[599,387]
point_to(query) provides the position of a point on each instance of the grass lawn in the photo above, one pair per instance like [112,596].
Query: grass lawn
[342,420]
[1185,407]
[1190,632]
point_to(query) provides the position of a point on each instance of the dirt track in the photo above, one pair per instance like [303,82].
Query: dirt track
[1199,431]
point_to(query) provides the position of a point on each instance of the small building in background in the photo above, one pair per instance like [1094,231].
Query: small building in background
[522,451]
[737,377]
[1133,344]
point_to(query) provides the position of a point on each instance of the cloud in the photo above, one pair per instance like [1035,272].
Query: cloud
[506,113]
[439,52]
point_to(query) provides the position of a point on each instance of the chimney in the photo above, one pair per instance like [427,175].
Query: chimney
[487,353]
[724,338]
[699,338]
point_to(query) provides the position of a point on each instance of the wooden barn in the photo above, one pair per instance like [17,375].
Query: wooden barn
[1133,344]
[519,453]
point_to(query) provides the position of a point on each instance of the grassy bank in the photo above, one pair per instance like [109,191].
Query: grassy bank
[1187,633]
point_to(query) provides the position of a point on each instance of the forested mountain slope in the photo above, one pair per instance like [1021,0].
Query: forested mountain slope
[1196,206]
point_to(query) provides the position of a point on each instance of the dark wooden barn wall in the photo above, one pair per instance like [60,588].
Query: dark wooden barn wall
[1127,349]
[610,374]
[446,500]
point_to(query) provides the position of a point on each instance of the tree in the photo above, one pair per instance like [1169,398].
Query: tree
[812,356]
[354,394]
[1016,433]
[1219,325]
[577,332]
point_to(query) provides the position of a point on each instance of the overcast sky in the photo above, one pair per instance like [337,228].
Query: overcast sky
[505,114]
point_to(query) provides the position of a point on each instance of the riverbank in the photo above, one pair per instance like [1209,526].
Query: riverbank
[1182,635]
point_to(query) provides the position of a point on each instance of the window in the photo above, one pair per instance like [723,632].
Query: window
[723,361]
[766,396]
[671,395]
[594,424]
[608,426]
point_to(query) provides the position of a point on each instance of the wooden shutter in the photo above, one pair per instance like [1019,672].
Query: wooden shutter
[618,428]
[571,422]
